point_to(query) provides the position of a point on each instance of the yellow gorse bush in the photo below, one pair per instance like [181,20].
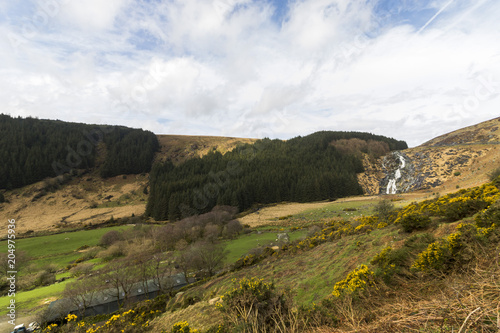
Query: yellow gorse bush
[356,282]
[456,205]
[183,327]
[70,317]
[50,328]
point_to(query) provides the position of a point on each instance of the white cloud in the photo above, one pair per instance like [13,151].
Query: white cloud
[224,67]
[93,15]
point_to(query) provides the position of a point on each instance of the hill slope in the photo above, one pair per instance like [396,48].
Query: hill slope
[459,159]
[90,199]
[34,149]
[180,148]
[319,166]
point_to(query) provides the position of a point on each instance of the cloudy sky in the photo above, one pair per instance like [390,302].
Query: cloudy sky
[409,69]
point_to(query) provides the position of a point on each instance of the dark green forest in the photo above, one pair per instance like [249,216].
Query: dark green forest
[315,167]
[33,149]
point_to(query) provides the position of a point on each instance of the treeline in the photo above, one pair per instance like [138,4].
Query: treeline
[33,149]
[301,169]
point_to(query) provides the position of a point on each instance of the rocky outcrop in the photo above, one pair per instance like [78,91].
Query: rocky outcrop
[459,159]
[427,168]
[400,175]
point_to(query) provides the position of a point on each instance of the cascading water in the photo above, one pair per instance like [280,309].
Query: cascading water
[391,186]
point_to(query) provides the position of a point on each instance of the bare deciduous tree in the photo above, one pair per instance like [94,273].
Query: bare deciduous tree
[82,293]
[120,277]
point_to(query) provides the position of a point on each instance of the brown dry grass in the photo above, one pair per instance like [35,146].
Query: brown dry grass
[200,316]
[465,302]
[70,205]
[179,148]
[266,216]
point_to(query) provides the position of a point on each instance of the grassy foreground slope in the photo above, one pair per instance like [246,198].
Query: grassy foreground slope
[437,276]
[424,267]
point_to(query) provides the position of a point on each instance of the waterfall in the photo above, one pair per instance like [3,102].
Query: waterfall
[391,186]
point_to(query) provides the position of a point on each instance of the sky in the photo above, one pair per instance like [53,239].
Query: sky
[407,69]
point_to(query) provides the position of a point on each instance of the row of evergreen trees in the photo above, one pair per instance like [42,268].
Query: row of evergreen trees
[301,169]
[33,149]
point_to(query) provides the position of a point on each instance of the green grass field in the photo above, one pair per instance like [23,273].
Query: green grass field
[244,243]
[26,301]
[335,210]
[311,274]
[59,249]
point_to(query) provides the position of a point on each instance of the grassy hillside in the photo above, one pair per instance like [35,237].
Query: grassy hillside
[429,265]
[424,267]
[179,148]
[48,205]
[82,201]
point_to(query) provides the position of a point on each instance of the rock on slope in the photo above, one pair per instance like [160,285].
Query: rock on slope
[462,158]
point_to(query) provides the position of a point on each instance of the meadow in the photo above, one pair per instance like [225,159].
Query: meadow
[60,249]
[244,243]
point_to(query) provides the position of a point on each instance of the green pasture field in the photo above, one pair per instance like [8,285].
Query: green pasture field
[58,249]
[26,301]
[310,275]
[337,209]
[244,243]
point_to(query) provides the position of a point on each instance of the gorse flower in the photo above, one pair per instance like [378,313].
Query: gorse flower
[356,282]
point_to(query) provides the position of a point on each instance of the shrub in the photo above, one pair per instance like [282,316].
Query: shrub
[82,269]
[390,262]
[384,209]
[114,251]
[493,175]
[45,278]
[182,327]
[110,238]
[90,254]
[463,207]
[488,216]
[256,306]
[385,267]
[356,282]
[442,255]
[414,221]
